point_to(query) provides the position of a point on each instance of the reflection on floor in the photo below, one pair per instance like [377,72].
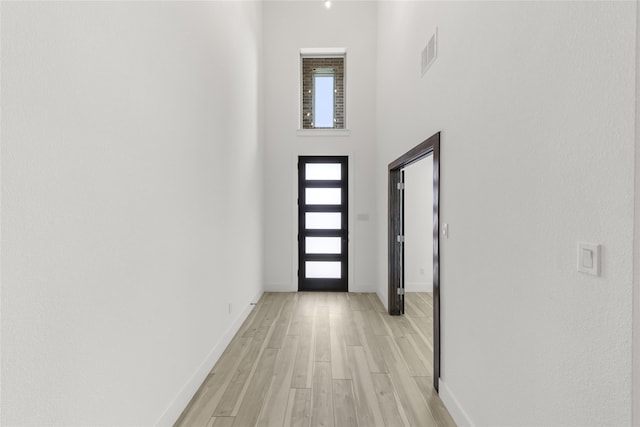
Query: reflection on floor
[324,359]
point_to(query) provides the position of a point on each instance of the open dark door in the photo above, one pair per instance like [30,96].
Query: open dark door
[323,234]
[430,147]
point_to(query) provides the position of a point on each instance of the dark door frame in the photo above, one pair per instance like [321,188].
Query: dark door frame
[335,285]
[431,146]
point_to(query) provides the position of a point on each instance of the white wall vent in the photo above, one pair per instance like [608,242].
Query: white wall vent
[430,52]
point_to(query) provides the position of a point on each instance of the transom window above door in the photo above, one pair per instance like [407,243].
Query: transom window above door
[323,90]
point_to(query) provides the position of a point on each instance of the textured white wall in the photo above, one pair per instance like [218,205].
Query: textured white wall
[131,211]
[418,226]
[288,27]
[535,101]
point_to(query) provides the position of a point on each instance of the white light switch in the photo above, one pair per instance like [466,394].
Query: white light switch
[589,258]
[445,230]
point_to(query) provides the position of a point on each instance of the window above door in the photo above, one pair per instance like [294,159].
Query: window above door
[323,96]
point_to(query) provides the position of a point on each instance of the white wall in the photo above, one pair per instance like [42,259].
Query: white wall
[535,101]
[636,244]
[418,226]
[289,27]
[132,203]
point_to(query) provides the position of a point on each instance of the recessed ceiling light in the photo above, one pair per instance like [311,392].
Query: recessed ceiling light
[327,4]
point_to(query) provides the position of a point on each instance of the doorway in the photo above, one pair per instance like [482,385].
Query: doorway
[323,234]
[396,238]
[418,248]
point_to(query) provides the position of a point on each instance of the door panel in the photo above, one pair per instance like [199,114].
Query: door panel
[322,223]
[323,196]
[323,171]
[323,220]
[323,269]
[323,245]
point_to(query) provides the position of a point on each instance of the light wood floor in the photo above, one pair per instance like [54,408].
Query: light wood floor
[324,359]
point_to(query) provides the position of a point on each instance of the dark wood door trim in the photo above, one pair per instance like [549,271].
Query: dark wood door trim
[431,146]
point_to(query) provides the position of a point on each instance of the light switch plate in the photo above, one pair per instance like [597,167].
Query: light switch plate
[589,258]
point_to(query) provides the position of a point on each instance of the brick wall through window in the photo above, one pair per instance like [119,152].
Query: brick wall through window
[308,65]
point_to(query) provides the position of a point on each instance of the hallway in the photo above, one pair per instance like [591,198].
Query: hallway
[324,359]
[150,190]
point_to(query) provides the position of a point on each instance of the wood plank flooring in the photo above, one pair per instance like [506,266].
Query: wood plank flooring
[324,359]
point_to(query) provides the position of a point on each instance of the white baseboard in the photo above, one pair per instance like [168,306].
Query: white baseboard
[281,287]
[360,288]
[454,407]
[181,401]
[418,287]
[384,301]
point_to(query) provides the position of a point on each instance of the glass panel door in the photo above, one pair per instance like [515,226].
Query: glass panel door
[322,223]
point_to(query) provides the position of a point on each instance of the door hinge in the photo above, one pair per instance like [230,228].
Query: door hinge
[400,238]
[400,291]
[400,186]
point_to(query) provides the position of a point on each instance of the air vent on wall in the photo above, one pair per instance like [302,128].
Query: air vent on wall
[430,52]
